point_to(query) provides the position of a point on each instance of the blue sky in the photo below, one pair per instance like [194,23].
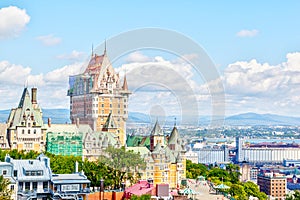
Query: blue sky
[51,35]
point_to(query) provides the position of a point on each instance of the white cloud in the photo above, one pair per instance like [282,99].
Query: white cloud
[73,56]
[12,21]
[49,40]
[247,33]
[52,86]
[262,87]
[250,86]
[137,57]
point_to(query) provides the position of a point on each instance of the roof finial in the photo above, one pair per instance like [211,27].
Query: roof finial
[174,121]
[92,49]
[105,46]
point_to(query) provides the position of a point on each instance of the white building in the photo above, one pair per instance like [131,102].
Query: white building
[192,156]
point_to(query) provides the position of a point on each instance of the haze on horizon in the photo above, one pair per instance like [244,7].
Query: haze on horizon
[255,50]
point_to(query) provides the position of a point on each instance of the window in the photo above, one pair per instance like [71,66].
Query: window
[4,172]
[27,185]
[45,185]
[15,173]
[23,131]
[34,131]
[12,187]
[34,185]
[28,131]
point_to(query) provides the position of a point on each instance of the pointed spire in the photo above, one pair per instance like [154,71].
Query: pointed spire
[105,47]
[125,86]
[156,129]
[92,49]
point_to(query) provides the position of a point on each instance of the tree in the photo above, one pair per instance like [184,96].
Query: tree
[295,196]
[237,191]
[5,192]
[123,164]
[252,190]
[194,170]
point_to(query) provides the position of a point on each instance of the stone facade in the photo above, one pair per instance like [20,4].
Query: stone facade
[166,162]
[25,127]
[98,93]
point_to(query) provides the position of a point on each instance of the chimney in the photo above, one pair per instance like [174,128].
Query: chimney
[33,95]
[49,122]
[76,166]
[77,122]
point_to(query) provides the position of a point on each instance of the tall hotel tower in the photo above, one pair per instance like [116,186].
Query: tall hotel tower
[98,98]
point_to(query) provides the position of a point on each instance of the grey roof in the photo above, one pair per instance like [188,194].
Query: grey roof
[69,178]
[31,165]
[157,130]
[174,136]
[110,122]
[25,109]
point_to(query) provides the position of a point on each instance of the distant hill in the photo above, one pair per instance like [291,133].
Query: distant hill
[261,119]
[58,116]
[61,116]
[245,119]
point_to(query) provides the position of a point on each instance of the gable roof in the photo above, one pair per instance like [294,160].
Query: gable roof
[24,110]
[110,122]
[157,130]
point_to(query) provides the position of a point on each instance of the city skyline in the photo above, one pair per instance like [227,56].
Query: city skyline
[254,46]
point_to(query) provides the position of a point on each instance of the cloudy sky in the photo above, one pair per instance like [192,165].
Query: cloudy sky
[255,48]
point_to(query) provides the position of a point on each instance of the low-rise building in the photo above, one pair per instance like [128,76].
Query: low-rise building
[69,186]
[33,179]
[25,127]
[7,171]
[273,184]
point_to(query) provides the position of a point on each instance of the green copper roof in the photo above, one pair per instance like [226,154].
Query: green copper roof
[138,140]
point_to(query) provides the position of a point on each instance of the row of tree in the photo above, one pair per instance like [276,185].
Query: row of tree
[115,166]
[229,175]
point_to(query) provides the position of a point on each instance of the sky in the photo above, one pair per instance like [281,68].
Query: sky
[254,45]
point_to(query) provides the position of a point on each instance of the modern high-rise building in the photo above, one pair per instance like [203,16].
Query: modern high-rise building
[98,94]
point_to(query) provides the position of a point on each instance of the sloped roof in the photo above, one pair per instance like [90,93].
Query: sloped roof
[105,138]
[143,151]
[165,151]
[125,86]
[69,178]
[110,122]
[25,108]
[174,136]
[138,140]
[31,165]
[156,129]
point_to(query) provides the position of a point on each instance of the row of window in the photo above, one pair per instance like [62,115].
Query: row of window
[29,131]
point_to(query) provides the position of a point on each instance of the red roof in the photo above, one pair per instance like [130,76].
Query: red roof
[142,187]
